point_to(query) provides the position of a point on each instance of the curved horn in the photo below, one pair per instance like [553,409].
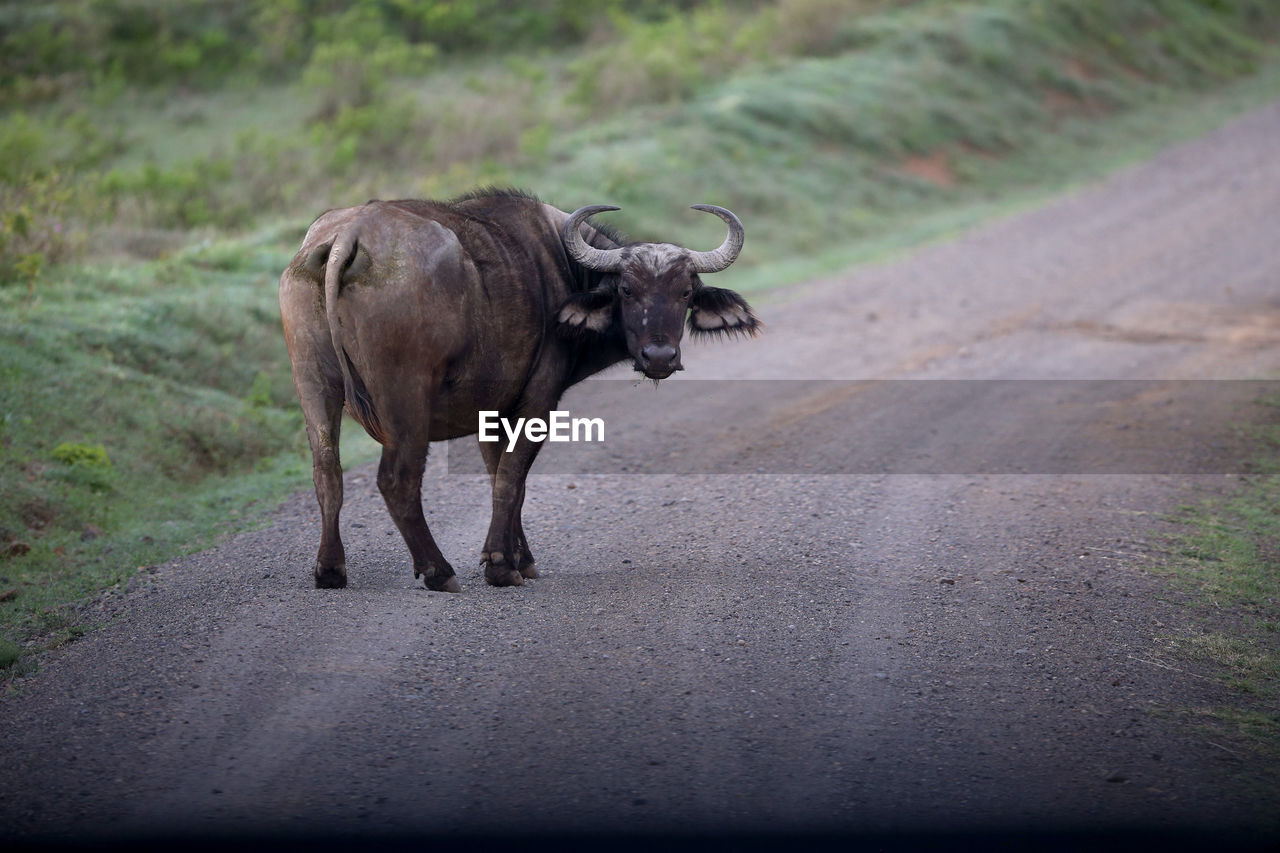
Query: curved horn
[708,262]
[600,260]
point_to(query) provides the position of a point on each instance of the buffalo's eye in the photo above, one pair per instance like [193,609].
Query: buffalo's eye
[626,290]
[688,291]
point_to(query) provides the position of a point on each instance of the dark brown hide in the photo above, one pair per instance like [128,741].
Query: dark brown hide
[417,315]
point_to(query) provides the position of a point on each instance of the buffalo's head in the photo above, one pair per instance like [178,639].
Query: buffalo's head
[649,289]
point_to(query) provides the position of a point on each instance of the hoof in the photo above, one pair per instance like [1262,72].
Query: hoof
[333,577]
[439,584]
[503,577]
[439,578]
[498,573]
[525,561]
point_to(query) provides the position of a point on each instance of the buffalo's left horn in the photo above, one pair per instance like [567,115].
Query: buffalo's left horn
[600,260]
[714,261]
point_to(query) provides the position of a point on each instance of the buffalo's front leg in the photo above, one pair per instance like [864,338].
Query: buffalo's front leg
[524,555]
[492,453]
[501,556]
[400,481]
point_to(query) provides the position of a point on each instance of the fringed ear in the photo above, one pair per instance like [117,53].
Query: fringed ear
[717,311]
[585,313]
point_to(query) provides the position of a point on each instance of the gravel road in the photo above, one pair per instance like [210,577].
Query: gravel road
[924,640]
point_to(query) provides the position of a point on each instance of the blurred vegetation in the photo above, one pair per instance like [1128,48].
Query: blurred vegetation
[53,47]
[129,124]
[149,152]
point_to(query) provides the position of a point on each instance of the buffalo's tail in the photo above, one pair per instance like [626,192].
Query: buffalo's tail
[359,403]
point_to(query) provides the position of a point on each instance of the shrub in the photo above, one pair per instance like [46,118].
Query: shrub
[85,465]
[670,58]
[10,653]
[34,227]
[83,455]
[41,201]
[227,188]
[350,68]
[656,61]
[260,392]
[383,131]
[803,27]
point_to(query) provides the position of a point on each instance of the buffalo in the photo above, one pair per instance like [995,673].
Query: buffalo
[417,315]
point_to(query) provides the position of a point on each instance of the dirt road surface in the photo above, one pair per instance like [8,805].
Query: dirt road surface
[924,639]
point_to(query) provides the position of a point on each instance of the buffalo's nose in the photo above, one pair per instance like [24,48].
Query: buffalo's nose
[659,358]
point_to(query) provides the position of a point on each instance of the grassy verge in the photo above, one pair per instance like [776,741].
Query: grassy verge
[145,409]
[1226,560]
[145,399]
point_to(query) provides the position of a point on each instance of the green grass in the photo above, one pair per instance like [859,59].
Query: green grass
[145,409]
[1257,727]
[1225,558]
[1231,551]
[146,406]
[10,653]
[1248,664]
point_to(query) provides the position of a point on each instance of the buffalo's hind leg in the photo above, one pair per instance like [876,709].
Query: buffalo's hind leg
[324,420]
[492,453]
[318,380]
[400,481]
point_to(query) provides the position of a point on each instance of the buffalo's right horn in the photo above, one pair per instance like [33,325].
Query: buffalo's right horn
[600,260]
